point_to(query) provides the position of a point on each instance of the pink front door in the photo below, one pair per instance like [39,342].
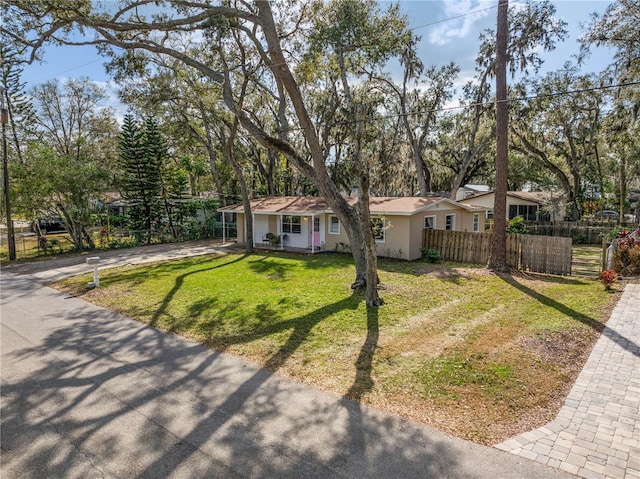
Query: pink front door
[314,236]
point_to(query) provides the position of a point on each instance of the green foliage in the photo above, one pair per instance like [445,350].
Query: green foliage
[64,173]
[613,234]
[53,185]
[579,238]
[353,35]
[275,240]
[17,102]
[517,225]
[142,153]
[342,247]
[431,255]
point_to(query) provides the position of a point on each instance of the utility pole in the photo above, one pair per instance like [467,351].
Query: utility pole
[498,257]
[4,113]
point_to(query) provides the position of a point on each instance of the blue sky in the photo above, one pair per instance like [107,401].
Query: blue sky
[448,33]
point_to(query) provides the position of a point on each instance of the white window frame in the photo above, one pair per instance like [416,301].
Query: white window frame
[288,220]
[453,222]
[476,222]
[383,229]
[332,224]
[489,214]
[433,222]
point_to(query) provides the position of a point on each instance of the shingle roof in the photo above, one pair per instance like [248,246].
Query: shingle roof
[534,196]
[284,204]
[306,205]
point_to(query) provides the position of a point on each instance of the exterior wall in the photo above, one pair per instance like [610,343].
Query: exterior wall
[397,237]
[403,234]
[442,211]
[487,201]
[331,240]
[273,223]
[261,227]
[466,223]
[415,239]
[297,240]
[264,224]
[240,228]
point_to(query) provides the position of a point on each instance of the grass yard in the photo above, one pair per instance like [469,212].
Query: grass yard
[27,247]
[480,356]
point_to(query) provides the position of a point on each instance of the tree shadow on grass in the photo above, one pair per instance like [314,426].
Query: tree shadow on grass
[178,283]
[300,327]
[363,382]
[95,393]
[593,323]
[270,267]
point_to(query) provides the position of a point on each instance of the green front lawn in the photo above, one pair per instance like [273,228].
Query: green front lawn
[480,356]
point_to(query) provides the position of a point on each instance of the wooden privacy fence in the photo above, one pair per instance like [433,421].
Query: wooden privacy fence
[538,254]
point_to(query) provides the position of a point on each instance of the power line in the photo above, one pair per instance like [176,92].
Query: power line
[482,104]
[70,69]
[454,18]
[460,107]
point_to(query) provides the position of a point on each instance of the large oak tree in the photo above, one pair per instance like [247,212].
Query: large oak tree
[270,28]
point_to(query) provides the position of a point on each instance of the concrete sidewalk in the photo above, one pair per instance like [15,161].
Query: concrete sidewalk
[58,268]
[89,393]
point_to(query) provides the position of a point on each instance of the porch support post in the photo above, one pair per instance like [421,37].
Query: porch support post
[224,230]
[253,220]
[313,233]
[279,230]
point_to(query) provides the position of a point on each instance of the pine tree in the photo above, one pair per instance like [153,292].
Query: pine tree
[141,157]
[21,110]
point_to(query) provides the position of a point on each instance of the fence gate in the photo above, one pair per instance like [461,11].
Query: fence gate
[546,254]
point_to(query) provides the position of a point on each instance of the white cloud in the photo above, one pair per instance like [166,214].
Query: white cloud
[459,21]
[112,101]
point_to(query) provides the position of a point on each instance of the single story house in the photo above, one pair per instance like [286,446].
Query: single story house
[531,205]
[309,223]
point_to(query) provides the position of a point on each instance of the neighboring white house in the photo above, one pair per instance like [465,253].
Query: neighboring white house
[467,191]
[309,223]
[531,205]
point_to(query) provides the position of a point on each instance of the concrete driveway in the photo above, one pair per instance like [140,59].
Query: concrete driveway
[88,393]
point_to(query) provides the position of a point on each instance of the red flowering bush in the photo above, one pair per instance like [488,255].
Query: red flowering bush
[607,278]
[626,259]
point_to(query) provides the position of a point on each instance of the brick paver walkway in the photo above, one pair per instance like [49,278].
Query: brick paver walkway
[597,432]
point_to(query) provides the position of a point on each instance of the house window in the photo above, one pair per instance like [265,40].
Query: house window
[476,222]
[291,224]
[528,212]
[334,225]
[377,224]
[532,213]
[316,224]
[450,222]
[490,214]
[429,222]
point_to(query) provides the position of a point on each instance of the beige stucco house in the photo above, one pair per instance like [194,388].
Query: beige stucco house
[531,205]
[309,223]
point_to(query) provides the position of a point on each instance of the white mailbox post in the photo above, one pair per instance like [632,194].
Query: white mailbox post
[94,261]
